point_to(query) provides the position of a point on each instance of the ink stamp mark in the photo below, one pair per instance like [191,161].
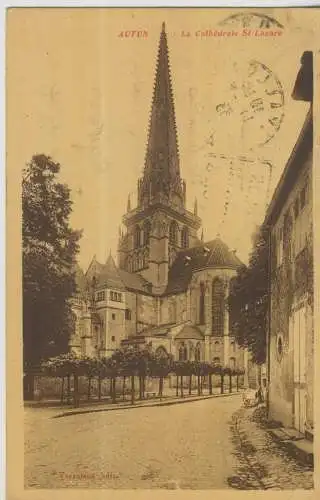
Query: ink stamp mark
[251,20]
[255,102]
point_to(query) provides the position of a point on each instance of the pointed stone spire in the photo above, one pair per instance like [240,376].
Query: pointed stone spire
[162,171]
[128,204]
[195,210]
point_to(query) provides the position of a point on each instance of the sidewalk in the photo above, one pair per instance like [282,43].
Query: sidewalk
[100,406]
[295,443]
[290,440]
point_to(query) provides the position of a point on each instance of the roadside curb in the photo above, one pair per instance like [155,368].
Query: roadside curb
[300,449]
[146,405]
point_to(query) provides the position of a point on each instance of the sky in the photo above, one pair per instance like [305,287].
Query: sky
[80,92]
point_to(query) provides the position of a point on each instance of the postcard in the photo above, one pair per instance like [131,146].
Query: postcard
[161,267]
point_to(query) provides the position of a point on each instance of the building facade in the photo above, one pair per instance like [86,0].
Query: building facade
[291,336]
[170,288]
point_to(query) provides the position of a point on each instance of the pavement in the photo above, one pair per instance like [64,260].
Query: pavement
[264,463]
[212,443]
[295,443]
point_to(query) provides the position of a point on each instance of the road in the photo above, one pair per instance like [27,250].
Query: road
[187,446]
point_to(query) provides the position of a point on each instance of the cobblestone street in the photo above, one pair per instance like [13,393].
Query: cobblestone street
[200,445]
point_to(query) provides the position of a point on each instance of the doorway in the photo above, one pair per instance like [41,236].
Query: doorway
[299,368]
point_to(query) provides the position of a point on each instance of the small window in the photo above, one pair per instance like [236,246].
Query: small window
[127,314]
[116,297]
[279,347]
[113,316]
[113,338]
[100,296]
[216,361]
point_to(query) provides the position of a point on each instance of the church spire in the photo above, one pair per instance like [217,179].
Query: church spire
[161,176]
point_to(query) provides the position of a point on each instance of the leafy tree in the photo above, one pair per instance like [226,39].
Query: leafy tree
[248,300]
[49,249]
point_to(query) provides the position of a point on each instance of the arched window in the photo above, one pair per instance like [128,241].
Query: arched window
[173,233]
[191,352]
[181,353]
[137,236]
[233,346]
[161,352]
[146,232]
[216,361]
[129,264]
[185,238]
[218,308]
[185,353]
[197,354]
[172,256]
[145,258]
[202,307]
[232,363]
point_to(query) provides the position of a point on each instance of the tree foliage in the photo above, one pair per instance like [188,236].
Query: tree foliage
[248,300]
[49,249]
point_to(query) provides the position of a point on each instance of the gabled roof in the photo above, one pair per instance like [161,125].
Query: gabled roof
[110,276]
[190,332]
[214,254]
[185,331]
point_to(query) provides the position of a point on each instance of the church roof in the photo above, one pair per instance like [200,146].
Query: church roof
[190,332]
[134,281]
[110,275]
[213,254]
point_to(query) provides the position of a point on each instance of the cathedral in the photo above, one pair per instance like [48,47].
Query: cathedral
[169,288]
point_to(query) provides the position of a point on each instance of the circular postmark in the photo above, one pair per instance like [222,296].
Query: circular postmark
[254,101]
[252,20]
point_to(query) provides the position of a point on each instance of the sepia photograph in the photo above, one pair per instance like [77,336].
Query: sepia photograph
[160,219]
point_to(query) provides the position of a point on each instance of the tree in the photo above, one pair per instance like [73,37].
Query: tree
[66,365]
[50,246]
[248,300]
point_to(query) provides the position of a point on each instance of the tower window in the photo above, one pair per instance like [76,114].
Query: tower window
[113,316]
[137,237]
[113,338]
[202,309]
[146,232]
[127,314]
[185,238]
[173,233]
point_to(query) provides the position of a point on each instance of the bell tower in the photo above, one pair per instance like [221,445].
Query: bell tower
[160,225]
